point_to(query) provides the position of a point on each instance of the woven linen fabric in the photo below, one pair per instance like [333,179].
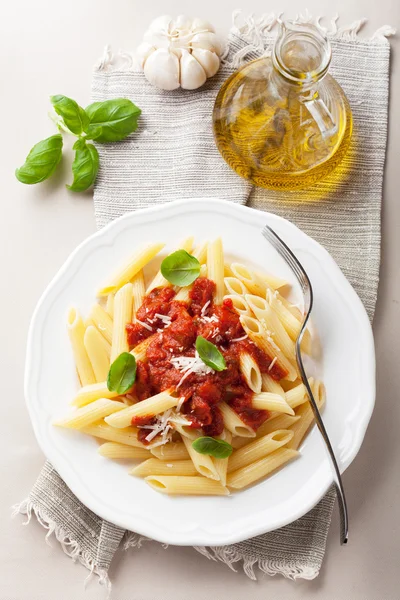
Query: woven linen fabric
[172,155]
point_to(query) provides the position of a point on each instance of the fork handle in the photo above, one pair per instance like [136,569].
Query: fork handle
[343,513]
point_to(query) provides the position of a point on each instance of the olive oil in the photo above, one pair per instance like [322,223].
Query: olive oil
[283,122]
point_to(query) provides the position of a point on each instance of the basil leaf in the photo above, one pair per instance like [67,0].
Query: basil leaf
[122,373]
[73,115]
[85,166]
[212,447]
[112,120]
[41,161]
[209,354]
[180,268]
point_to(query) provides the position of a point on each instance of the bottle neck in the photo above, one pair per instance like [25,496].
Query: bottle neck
[301,54]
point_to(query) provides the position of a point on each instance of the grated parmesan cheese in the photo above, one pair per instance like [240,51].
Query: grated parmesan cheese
[203,310]
[212,319]
[164,318]
[272,364]
[145,325]
[180,403]
[179,420]
[164,426]
[190,364]
[161,426]
[239,339]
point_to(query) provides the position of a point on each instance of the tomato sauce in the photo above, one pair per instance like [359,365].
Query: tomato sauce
[176,337]
[155,303]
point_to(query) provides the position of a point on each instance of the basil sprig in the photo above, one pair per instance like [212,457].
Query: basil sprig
[122,373]
[180,268]
[109,121]
[209,354]
[84,167]
[41,161]
[112,120]
[73,115]
[212,447]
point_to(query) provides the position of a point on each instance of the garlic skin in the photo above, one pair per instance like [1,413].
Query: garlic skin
[179,53]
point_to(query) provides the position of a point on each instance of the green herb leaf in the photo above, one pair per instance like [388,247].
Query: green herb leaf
[73,115]
[41,161]
[122,373]
[112,120]
[209,354]
[85,166]
[180,268]
[212,447]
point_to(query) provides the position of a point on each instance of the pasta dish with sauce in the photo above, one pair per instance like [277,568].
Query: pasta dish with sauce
[193,377]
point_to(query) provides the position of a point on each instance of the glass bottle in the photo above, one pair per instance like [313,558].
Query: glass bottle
[283,122]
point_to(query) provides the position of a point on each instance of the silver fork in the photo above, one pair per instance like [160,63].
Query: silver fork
[306,288]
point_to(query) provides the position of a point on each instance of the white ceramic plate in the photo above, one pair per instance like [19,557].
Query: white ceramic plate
[346,364]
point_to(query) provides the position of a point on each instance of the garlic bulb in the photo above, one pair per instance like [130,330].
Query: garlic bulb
[179,52]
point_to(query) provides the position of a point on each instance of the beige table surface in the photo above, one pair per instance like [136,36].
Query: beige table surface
[49,47]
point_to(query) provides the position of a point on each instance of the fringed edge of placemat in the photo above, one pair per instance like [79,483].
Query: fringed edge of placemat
[229,556]
[254,31]
[69,546]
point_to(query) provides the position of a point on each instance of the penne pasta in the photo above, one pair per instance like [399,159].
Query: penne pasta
[138,293]
[110,305]
[159,280]
[297,395]
[275,422]
[122,316]
[200,253]
[202,462]
[271,280]
[260,468]
[139,260]
[198,486]
[270,385]
[221,464]
[239,304]
[227,270]
[239,442]
[270,320]
[102,321]
[129,399]
[256,284]
[233,422]
[268,401]
[116,451]
[171,451]
[92,392]
[95,346]
[153,466]
[139,351]
[289,322]
[91,413]
[186,431]
[127,436]
[250,371]
[257,334]
[151,406]
[76,333]
[235,287]
[259,448]
[306,415]
[215,267]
